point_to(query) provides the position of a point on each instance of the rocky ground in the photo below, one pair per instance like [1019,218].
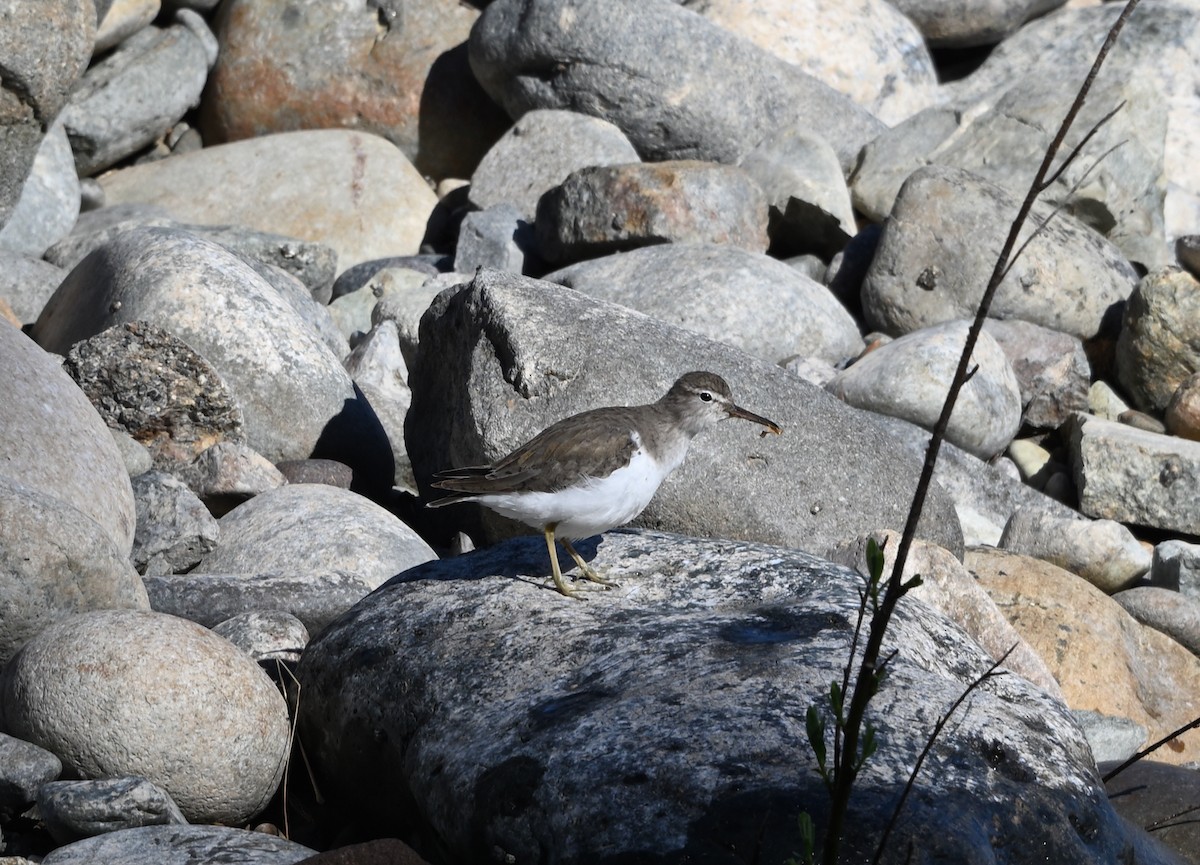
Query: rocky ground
[271,264]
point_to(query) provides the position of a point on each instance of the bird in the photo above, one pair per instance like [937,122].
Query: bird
[598,469]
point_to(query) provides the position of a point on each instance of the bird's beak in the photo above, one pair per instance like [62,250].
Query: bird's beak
[738,411]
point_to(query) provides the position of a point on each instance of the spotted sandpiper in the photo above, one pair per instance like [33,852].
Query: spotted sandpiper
[597,469]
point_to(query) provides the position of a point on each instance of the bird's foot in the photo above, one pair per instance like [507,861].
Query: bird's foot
[586,570]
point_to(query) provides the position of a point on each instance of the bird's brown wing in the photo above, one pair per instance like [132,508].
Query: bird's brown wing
[592,444]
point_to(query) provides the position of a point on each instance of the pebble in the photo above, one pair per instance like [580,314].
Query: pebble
[50,199]
[265,635]
[139,693]
[1176,566]
[175,530]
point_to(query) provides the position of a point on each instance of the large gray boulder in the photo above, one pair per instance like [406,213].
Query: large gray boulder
[749,300]
[504,357]
[677,85]
[939,248]
[296,398]
[665,721]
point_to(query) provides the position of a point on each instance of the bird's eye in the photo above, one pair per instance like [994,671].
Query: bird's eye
[706,396]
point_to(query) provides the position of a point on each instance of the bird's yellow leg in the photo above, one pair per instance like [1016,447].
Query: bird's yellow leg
[548,530]
[585,568]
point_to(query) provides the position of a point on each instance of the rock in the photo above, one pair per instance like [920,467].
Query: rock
[1116,185]
[1183,411]
[984,495]
[939,249]
[1176,566]
[748,300]
[27,283]
[537,154]
[24,768]
[810,208]
[397,69]
[738,639]
[49,200]
[1103,552]
[1102,658]
[611,208]
[1162,46]
[1104,402]
[951,590]
[1159,345]
[1187,253]
[296,399]
[265,635]
[848,268]
[175,530]
[315,598]
[1034,463]
[1149,793]
[46,48]
[55,560]
[1141,420]
[95,228]
[909,378]
[788,490]
[378,369]
[1175,614]
[124,692]
[314,529]
[359,276]
[1111,738]
[329,472]
[180,845]
[403,298]
[122,20]
[678,86]
[81,809]
[133,453]
[382,851]
[144,380]
[863,49]
[315,315]
[314,264]
[56,445]
[370,203]
[135,95]
[228,474]
[1134,476]
[1052,370]
[497,237]
[971,22]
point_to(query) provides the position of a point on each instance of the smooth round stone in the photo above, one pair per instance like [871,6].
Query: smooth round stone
[315,528]
[864,49]
[745,299]
[55,443]
[26,284]
[55,561]
[181,845]
[49,202]
[296,399]
[1183,411]
[908,378]
[1103,552]
[1176,615]
[397,69]
[140,693]
[539,152]
[371,202]
[122,20]
[265,635]
[1159,345]
[45,47]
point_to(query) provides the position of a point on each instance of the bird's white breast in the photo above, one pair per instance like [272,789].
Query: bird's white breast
[592,507]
